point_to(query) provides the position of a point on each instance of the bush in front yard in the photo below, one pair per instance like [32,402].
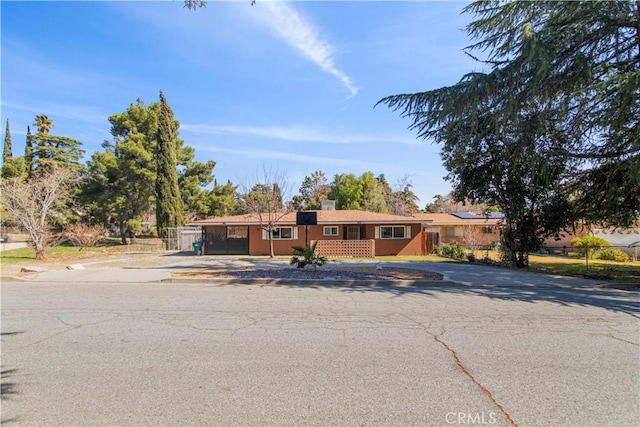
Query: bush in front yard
[609,254]
[451,251]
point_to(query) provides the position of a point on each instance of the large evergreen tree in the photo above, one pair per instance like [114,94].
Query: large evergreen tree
[551,131]
[120,184]
[169,207]
[47,150]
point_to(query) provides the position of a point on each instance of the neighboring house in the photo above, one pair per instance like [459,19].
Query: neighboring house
[618,238]
[341,233]
[465,228]
[626,239]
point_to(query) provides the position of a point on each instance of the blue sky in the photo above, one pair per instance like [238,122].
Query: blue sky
[286,86]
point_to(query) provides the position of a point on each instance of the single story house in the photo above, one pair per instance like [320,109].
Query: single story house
[341,233]
[465,228]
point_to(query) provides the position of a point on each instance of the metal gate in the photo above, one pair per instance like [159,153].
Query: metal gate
[231,240]
[182,238]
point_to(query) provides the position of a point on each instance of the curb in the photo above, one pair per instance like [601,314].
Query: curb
[13,279]
[621,286]
[318,283]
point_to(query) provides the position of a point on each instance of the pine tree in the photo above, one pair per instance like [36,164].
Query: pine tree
[48,150]
[169,207]
[6,154]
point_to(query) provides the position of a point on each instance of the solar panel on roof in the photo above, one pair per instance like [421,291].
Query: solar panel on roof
[469,215]
[464,215]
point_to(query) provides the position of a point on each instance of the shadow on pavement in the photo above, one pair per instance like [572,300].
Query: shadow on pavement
[614,300]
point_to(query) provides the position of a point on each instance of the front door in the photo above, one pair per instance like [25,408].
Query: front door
[353,232]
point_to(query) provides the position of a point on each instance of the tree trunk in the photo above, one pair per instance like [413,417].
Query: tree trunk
[271,254]
[41,251]
[123,232]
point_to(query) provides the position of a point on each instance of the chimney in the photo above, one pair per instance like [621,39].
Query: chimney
[328,205]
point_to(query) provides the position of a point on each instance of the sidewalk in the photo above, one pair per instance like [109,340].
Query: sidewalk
[159,269]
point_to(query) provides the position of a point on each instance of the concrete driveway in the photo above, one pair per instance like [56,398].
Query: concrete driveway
[123,353]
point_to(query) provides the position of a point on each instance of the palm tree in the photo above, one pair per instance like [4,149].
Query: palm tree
[43,123]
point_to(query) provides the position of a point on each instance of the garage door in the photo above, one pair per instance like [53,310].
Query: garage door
[226,240]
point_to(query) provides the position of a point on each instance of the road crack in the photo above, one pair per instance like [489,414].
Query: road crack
[464,370]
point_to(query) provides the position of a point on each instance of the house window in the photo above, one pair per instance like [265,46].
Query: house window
[330,231]
[487,230]
[454,232]
[396,232]
[237,232]
[281,233]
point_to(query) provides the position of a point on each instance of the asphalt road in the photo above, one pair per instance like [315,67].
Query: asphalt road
[201,354]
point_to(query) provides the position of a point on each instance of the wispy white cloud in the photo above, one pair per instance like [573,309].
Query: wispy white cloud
[296,30]
[289,156]
[299,134]
[75,112]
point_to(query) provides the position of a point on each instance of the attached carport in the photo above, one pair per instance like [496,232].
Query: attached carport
[226,240]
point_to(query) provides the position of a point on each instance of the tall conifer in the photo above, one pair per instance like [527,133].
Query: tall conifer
[6,154]
[169,207]
[28,153]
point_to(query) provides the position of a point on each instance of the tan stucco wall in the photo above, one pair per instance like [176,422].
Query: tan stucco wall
[482,239]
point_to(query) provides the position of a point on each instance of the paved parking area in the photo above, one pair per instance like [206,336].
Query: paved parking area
[92,353]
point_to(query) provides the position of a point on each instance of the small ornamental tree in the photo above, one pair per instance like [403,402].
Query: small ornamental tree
[586,244]
[265,201]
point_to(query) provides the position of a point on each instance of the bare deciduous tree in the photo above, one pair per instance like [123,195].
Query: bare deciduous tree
[471,237]
[34,202]
[266,201]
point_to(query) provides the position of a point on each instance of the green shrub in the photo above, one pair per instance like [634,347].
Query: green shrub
[451,251]
[306,255]
[609,254]
[443,249]
[459,252]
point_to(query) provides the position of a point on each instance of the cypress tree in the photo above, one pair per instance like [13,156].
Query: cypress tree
[6,154]
[169,207]
[28,153]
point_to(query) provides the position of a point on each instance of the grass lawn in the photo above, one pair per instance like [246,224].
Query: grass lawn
[72,253]
[573,265]
[598,269]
